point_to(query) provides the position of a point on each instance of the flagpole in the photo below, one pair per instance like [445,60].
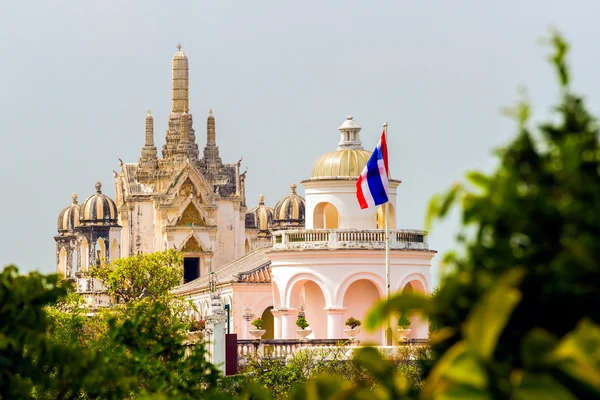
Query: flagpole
[387,250]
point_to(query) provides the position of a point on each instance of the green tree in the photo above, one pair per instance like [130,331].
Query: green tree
[143,275]
[516,314]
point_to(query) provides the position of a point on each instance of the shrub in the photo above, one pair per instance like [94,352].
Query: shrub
[352,322]
[257,323]
[301,323]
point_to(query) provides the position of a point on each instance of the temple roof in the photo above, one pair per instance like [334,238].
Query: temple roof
[253,267]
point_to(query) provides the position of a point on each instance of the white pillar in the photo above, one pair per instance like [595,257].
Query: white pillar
[335,322]
[288,323]
[277,323]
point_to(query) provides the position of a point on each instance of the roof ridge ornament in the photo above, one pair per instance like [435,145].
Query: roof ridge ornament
[98,187]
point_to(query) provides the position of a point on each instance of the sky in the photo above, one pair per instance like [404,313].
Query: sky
[77,78]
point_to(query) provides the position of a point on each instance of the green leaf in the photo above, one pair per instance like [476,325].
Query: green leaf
[489,316]
[578,354]
[449,199]
[401,303]
[541,387]
[433,208]
[458,367]
[479,179]
[536,348]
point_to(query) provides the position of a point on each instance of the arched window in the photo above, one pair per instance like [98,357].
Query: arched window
[85,255]
[381,217]
[62,263]
[100,252]
[325,216]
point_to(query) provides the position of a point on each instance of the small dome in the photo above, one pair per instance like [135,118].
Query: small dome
[350,157]
[68,219]
[341,163]
[260,217]
[289,211]
[99,209]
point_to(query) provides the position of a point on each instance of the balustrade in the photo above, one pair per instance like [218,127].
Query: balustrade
[349,238]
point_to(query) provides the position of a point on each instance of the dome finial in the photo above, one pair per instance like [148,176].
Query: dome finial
[179,46]
[74,197]
[210,112]
[349,117]
[293,187]
[261,199]
[149,112]
[98,187]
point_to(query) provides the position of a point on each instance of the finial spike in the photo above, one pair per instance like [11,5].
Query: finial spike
[261,199]
[179,46]
[210,112]
[98,187]
[74,197]
[149,112]
[293,187]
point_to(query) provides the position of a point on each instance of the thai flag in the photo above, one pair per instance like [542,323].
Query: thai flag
[372,184]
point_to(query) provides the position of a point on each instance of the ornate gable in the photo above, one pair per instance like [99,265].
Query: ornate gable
[191,244]
[188,182]
[190,217]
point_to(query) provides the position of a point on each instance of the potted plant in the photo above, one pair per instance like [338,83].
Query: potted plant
[258,331]
[403,330]
[303,325]
[196,330]
[353,327]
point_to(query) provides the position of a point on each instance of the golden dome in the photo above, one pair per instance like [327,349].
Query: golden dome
[68,219]
[341,163]
[289,211]
[99,209]
[260,217]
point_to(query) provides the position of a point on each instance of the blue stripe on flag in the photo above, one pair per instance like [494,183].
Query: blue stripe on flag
[374,178]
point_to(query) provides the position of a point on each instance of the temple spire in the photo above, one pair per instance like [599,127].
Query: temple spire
[180,93]
[211,162]
[148,162]
[149,140]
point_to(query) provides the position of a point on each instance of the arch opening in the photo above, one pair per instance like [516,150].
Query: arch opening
[419,325]
[247,246]
[358,300]
[100,252]
[62,263]
[268,323]
[325,216]
[85,255]
[307,295]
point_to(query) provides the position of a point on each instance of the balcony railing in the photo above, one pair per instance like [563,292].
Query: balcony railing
[285,348]
[349,239]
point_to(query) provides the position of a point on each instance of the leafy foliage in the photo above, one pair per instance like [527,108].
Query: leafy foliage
[143,275]
[403,322]
[531,249]
[352,322]
[257,323]
[301,323]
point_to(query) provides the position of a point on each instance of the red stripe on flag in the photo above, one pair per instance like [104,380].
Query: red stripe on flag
[385,153]
[359,193]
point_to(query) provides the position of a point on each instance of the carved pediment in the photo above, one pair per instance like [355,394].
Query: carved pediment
[187,183]
[191,216]
[191,244]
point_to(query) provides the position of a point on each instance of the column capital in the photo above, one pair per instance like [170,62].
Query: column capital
[284,311]
[335,310]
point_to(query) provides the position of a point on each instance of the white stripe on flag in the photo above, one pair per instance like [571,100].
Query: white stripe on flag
[367,192]
[383,175]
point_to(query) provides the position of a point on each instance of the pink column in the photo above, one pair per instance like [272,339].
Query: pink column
[277,323]
[288,323]
[335,322]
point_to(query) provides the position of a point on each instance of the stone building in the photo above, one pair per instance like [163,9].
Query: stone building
[320,255]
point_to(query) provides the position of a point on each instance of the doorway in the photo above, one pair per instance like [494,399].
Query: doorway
[191,269]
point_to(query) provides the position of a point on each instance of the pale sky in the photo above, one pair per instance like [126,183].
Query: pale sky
[77,78]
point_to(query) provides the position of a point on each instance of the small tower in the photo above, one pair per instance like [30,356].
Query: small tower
[148,162]
[211,163]
[66,240]
[289,212]
[177,147]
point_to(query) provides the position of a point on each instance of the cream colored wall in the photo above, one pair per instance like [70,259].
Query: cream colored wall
[342,194]
[227,235]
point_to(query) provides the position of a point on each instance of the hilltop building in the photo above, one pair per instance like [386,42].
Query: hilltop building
[320,255]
